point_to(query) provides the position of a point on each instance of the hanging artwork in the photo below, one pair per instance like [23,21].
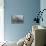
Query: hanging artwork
[17,19]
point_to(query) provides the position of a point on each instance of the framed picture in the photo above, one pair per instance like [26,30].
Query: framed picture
[17,19]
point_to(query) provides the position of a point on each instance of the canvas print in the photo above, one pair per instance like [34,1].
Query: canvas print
[17,19]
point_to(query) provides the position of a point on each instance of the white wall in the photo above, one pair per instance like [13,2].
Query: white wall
[1,20]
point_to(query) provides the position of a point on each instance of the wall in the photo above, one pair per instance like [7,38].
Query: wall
[1,20]
[43,6]
[13,32]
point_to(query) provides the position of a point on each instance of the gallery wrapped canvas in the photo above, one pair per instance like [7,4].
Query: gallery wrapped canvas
[17,19]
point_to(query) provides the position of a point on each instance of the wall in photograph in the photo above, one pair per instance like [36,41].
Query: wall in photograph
[43,6]
[27,8]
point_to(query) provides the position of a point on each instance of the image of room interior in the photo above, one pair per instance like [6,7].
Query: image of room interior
[22,22]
